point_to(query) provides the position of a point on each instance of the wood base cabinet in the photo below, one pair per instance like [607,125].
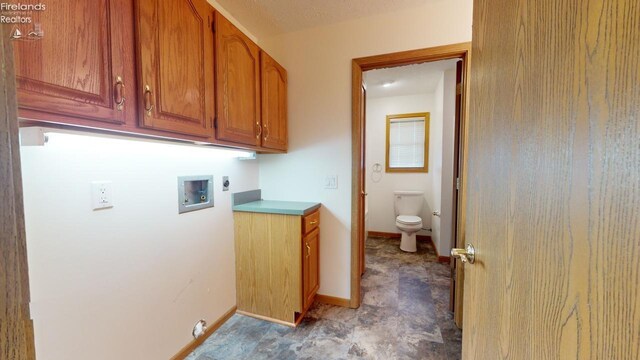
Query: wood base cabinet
[277,265]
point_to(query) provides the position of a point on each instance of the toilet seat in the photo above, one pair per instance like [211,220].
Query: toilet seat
[409,220]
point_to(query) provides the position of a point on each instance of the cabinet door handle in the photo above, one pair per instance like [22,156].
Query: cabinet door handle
[259,130]
[118,95]
[266,132]
[308,249]
[148,106]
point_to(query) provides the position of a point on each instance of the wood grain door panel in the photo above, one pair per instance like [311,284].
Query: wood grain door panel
[274,103]
[314,266]
[311,275]
[553,181]
[72,70]
[238,85]
[176,65]
[16,326]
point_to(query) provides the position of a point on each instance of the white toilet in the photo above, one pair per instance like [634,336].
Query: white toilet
[408,205]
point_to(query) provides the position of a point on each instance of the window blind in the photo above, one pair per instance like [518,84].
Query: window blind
[406,143]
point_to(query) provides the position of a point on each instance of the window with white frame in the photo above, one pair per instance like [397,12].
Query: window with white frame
[408,142]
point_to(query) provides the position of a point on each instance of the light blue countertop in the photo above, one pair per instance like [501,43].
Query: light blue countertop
[278,207]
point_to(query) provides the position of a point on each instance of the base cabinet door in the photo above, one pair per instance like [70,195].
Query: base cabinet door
[175,54]
[274,103]
[74,61]
[238,85]
[311,275]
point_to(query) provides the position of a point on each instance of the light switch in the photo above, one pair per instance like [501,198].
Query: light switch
[101,195]
[331,182]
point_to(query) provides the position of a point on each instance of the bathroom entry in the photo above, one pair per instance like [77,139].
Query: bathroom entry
[408,116]
[409,149]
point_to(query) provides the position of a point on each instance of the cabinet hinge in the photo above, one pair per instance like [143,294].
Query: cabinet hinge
[457,183]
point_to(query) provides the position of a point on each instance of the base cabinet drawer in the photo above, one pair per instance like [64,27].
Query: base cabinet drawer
[310,222]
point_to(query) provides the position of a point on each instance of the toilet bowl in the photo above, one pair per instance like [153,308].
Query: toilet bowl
[407,206]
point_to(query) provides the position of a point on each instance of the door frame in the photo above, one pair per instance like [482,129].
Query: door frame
[358,66]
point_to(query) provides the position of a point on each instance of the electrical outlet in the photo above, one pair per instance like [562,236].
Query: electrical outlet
[101,195]
[199,329]
[225,183]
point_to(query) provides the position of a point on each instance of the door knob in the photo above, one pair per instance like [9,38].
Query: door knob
[467,255]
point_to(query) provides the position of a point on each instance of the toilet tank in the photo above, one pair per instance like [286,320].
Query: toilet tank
[408,202]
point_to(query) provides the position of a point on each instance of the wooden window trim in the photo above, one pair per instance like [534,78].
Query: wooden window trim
[425,168]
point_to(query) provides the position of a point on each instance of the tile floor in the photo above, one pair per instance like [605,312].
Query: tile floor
[404,315]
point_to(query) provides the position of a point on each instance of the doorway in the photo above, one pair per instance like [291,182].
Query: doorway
[359,168]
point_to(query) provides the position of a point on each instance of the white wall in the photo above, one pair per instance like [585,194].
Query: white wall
[380,186]
[448,141]
[129,282]
[318,61]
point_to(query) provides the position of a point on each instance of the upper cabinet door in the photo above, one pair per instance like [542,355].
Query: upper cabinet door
[274,103]
[175,55]
[238,85]
[79,68]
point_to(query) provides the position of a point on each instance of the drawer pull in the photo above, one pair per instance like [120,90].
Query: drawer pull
[313,222]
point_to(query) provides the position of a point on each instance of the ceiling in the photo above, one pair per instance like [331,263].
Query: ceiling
[406,80]
[270,17]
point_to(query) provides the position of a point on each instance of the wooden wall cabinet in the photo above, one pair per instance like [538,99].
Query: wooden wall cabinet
[277,264]
[174,69]
[238,84]
[176,63]
[274,103]
[78,71]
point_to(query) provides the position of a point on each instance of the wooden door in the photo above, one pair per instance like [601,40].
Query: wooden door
[311,270]
[274,103]
[79,68]
[554,181]
[16,326]
[457,270]
[238,84]
[175,50]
